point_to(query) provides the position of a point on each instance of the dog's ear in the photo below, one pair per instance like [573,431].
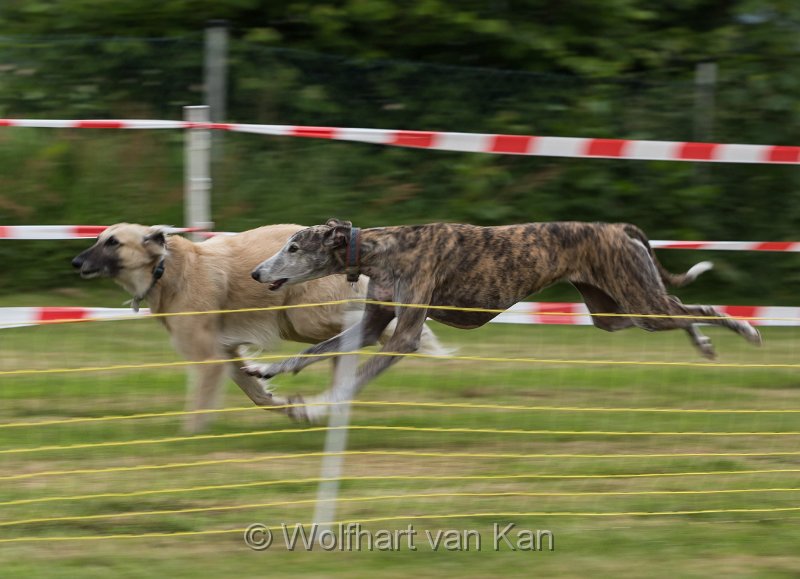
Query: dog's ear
[338,234]
[333,222]
[156,237]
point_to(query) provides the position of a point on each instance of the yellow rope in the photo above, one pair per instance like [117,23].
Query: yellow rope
[315,480]
[399,355]
[407,517]
[431,454]
[435,405]
[357,427]
[355,500]
[163,440]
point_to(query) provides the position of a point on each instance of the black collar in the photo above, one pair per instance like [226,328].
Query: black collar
[158,271]
[352,266]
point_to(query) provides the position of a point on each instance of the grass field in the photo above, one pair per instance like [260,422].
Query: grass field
[568,463]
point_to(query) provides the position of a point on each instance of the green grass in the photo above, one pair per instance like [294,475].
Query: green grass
[606,544]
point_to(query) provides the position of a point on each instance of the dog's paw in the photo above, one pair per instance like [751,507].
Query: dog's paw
[706,347]
[262,371]
[316,413]
[296,408]
[754,337]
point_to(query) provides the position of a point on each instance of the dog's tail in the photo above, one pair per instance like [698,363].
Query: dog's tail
[669,278]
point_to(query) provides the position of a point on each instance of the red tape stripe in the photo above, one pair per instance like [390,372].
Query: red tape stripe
[89,230]
[91,124]
[55,314]
[606,147]
[556,308]
[784,155]
[420,139]
[697,151]
[515,144]
[774,246]
[314,132]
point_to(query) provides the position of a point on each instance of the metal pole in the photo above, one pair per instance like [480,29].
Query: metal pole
[197,175]
[336,437]
[216,69]
[705,79]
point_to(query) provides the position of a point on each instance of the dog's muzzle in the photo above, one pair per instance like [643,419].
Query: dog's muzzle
[79,263]
[273,285]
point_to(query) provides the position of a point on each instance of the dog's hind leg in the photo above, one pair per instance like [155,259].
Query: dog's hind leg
[701,341]
[669,313]
[712,316]
[599,302]
[632,280]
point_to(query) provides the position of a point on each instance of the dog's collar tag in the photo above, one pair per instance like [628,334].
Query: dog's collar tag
[352,268]
[158,271]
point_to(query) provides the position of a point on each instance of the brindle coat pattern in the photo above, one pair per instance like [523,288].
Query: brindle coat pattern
[214,275]
[447,264]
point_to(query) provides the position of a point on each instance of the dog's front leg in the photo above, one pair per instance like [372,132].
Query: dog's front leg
[255,390]
[364,333]
[405,340]
[204,393]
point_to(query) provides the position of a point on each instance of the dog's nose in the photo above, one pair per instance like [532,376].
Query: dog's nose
[77,262]
[255,275]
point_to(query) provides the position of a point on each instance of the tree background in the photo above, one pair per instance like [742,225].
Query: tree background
[618,69]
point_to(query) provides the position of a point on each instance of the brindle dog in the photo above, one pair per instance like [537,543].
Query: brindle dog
[446,264]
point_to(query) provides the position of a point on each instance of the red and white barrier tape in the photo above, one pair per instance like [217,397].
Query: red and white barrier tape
[18,317]
[791,246]
[65,231]
[472,142]
[91,231]
[576,314]
[562,313]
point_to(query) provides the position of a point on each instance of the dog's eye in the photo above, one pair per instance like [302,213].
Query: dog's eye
[112,241]
[292,248]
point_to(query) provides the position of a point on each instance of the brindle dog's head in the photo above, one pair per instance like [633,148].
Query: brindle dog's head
[309,254]
[125,252]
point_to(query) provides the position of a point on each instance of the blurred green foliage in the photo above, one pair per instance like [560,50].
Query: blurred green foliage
[618,69]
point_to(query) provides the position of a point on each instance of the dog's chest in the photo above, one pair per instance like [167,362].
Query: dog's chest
[239,329]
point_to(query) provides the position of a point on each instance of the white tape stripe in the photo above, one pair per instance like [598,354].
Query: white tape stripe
[374,136]
[558,147]
[463,142]
[275,130]
[40,232]
[742,153]
[41,123]
[652,150]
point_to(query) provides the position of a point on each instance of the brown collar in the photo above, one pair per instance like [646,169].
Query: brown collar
[352,265]
[158,271]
